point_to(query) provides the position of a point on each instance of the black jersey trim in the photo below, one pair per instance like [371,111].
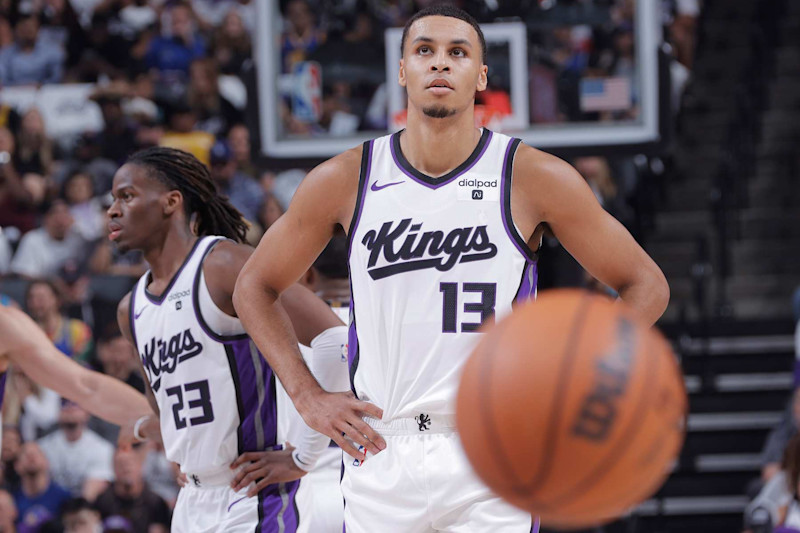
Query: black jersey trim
[363,180]
[158,300]
[511,229]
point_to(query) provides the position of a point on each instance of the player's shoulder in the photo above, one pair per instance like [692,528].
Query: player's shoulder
[530,161]
[342,167]
[226,258]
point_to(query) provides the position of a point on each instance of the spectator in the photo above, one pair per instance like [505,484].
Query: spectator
[184,135]
[213,13]
[239,141]
[108,259]
[11,444]
[61,28]
[33,407]
[215,114]
[129,497]
[30,61]
[597,173]
[80,516]
[231,44]
[8,512]
[117,358]
[791,465]
[39,497]
[34,154]
[80,460]
[20,195]
[5,255]
[160,474]
[118,139]
[43,251]
[105,53]
[173,53]
[243,191]
[301,36]
[71,336]
[778,439]
[86,209]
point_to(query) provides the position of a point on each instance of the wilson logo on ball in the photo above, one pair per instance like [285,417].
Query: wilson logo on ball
[599,409]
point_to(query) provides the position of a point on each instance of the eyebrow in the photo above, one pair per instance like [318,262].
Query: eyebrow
[459,42]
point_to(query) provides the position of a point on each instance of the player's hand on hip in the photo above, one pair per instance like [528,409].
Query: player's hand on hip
[260,469]
[340,415]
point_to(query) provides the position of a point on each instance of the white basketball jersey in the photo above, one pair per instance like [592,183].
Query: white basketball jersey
[430,260]
[215,391]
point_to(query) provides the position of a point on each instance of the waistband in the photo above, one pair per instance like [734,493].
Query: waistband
[216,477]
[421,424]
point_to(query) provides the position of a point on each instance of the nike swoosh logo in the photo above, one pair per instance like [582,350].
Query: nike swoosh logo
[376,187]
[137,315]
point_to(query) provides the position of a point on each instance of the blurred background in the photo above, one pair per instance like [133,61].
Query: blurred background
[682,115]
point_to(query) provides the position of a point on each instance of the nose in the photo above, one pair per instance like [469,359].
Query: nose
[440,63]
[113,209]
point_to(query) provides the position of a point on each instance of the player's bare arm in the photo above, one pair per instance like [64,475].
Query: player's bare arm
[26,346]
[325,199]
[547,190]
[308,314]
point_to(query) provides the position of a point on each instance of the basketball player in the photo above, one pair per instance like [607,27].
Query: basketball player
[24,344]
[328,279]
[443,221]
[213,390]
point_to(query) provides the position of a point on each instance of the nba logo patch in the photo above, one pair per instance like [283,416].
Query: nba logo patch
[359,462]
[477,194]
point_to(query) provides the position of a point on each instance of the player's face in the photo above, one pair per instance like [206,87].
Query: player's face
[442,67]
[136,217]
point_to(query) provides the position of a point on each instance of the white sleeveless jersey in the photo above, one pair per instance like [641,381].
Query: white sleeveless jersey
[430,260]
[215,391]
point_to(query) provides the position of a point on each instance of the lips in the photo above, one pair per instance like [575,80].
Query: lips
[113,231]
[440,83]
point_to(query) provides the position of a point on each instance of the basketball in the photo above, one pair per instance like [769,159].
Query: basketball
[572,409]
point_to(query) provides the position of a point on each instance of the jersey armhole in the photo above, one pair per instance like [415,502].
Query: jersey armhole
[363,180]
[198,311]
[508,221]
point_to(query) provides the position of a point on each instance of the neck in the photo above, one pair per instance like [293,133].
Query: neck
[34,485]
[167,258]
[129,489]
[435,146]
[50,323]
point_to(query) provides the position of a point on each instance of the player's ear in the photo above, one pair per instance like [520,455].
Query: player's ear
[483,78]
[173,201]
[401,74]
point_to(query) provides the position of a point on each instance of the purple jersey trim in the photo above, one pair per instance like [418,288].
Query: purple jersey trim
[434,183]
[2,387]
[505,197]
[158,300]
[277,508]
[366,168]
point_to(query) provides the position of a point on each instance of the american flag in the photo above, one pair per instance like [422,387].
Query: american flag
[605,94]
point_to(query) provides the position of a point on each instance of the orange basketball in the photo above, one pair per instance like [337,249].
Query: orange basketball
[572,409]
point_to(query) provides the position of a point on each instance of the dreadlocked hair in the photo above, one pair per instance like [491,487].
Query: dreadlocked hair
[214,214]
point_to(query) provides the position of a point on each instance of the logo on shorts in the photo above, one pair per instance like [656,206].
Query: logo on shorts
[195,480]
[359,462]
[423,421]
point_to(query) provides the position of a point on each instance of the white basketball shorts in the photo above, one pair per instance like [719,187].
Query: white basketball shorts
[422,482]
